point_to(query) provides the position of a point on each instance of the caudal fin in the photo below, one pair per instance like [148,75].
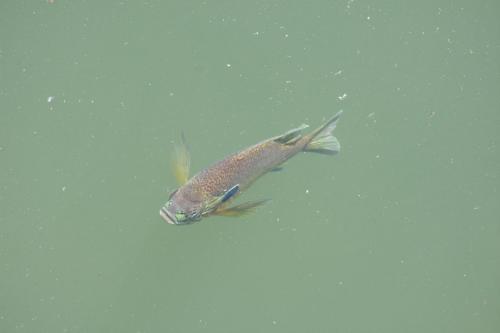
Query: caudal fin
[322,140]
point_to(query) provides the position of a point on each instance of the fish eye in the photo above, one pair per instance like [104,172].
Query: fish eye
[180,216]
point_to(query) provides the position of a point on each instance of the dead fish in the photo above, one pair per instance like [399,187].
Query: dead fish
[210,191]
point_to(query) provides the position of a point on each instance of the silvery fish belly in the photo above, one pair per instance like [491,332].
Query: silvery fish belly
[211,190]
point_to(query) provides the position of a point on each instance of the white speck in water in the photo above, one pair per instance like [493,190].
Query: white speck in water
[474,208]
[307,191]
[341,283]
[228,65]
[50,99]
[274,322]
[63,188]
[342,97]
[256,33]
[337,72]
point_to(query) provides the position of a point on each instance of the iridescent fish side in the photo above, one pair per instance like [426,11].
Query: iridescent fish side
[210,191]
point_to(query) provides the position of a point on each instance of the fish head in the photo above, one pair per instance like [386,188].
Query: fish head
[181,209]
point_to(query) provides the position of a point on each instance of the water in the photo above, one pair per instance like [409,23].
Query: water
[398,233]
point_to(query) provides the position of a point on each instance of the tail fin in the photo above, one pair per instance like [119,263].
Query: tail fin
[322,140]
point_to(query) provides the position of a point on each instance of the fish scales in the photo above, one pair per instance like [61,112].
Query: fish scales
[244,167]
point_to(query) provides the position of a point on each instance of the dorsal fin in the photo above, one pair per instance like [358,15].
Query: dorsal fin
[292,136]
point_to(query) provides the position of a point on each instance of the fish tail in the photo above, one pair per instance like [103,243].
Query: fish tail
[322,141]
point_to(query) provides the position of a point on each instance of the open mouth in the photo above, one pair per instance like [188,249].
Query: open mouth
[166,216]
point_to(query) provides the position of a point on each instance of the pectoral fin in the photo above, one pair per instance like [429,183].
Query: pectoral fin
[181,162]
[217,201]
[241,209]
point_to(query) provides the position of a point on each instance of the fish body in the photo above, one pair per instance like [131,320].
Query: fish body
[209,191]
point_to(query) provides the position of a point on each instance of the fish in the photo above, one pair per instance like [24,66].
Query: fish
[210,191]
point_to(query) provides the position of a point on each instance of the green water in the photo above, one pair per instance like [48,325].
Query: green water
[400,232]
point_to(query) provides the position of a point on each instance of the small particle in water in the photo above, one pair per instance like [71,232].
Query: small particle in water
[63,188]
[256,33]
[342,97]
[274,322]
[50,99]
[307,191]
[228,65]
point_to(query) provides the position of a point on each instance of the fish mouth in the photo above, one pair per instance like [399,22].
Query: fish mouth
[166,216]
